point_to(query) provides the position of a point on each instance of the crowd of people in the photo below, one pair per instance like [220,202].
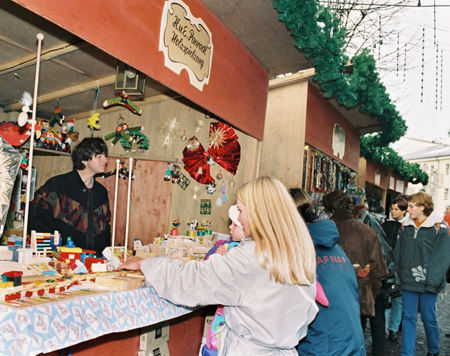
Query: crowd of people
[286,282]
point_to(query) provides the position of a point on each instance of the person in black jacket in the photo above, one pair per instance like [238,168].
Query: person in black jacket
[391,228]
[75,204]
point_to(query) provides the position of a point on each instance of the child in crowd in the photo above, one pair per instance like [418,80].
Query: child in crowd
[222,246]
[236,235]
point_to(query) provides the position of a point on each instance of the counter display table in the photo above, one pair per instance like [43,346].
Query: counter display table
[53,326]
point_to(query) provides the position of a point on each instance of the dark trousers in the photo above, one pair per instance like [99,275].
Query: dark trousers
[377,327]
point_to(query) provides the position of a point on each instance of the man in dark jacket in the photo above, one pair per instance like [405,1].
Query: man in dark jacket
[360,243]
[75,204]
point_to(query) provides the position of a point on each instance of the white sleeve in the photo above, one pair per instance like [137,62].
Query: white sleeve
[221,280]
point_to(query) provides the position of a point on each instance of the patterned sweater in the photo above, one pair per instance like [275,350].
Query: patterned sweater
[64,203]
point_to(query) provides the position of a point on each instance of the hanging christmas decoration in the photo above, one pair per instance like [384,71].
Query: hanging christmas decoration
[184,181]
[219,175]
[231,183]
[123,100]
[205,209]
[169,131]
[122,131]
[137,142]
[224,149]
[93,123]
[210,188]
[172,173]
[196,190]
[195,162]
[200,125]
[57,117]
[183,137]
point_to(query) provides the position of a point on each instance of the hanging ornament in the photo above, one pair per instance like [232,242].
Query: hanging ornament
[123,100]
[57,116]
[137,142]
[183,137]
[193,144]
[194,158]
[200,125]
[211,188]
[172,173]
[169,131]
[196,189]
[219,175]
[122,131]
[183,181]
[210,161]
[216,137]
[224,149]
[231,183]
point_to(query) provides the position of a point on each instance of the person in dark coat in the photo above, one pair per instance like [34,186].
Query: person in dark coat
[362,246]
[421,256]
[391,228]
[74,203]
[336,331]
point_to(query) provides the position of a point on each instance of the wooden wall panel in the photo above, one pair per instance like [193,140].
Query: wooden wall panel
[371,167]
[284,134]
[49,166]
[149,202]
[320,119]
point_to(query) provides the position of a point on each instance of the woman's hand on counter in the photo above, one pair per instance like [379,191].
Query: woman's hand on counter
[132,263]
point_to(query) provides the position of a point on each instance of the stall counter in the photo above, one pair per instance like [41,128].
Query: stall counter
[48,327]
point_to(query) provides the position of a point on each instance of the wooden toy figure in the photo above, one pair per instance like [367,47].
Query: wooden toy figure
[123,172]
[174,231]
[123,131]
[123,100]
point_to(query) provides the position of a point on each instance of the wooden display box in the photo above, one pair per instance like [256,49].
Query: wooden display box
[124,283]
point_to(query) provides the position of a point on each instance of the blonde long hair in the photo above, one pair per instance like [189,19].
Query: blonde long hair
[283,243]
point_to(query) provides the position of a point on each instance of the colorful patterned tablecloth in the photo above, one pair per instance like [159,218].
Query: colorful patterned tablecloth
[49,327]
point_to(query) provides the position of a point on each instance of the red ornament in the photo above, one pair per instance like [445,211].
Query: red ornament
[224,148]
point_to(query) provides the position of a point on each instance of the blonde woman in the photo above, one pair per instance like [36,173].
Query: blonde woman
[266,284]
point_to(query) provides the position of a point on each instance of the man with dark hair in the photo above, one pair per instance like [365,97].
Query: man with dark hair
[361,245]
[74,203]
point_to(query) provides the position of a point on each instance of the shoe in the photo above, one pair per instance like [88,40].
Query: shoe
[392,335]
[447,335]
[428,354]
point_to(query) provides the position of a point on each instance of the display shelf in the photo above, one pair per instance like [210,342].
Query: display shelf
[46,152]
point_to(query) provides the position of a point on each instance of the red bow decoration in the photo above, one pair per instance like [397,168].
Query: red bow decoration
[224,148]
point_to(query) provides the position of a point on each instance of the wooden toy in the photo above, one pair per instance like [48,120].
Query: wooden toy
[124,283]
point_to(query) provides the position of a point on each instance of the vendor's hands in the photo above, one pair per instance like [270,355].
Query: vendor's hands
[132,263]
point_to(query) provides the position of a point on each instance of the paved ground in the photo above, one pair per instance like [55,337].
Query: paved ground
[443,315]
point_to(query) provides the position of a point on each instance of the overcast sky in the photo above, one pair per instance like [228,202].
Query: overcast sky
[422,118]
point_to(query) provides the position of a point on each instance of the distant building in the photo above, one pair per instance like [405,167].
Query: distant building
[433,156]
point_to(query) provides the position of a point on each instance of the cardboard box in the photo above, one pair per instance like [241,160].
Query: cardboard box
[208,320]
[159,350]
[153,335]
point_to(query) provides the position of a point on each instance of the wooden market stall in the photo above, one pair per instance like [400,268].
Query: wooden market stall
[234,89]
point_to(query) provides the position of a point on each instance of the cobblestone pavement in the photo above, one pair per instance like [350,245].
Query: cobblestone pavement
[393,348]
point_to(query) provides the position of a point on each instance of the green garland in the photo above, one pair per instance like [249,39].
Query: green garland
[318,34]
